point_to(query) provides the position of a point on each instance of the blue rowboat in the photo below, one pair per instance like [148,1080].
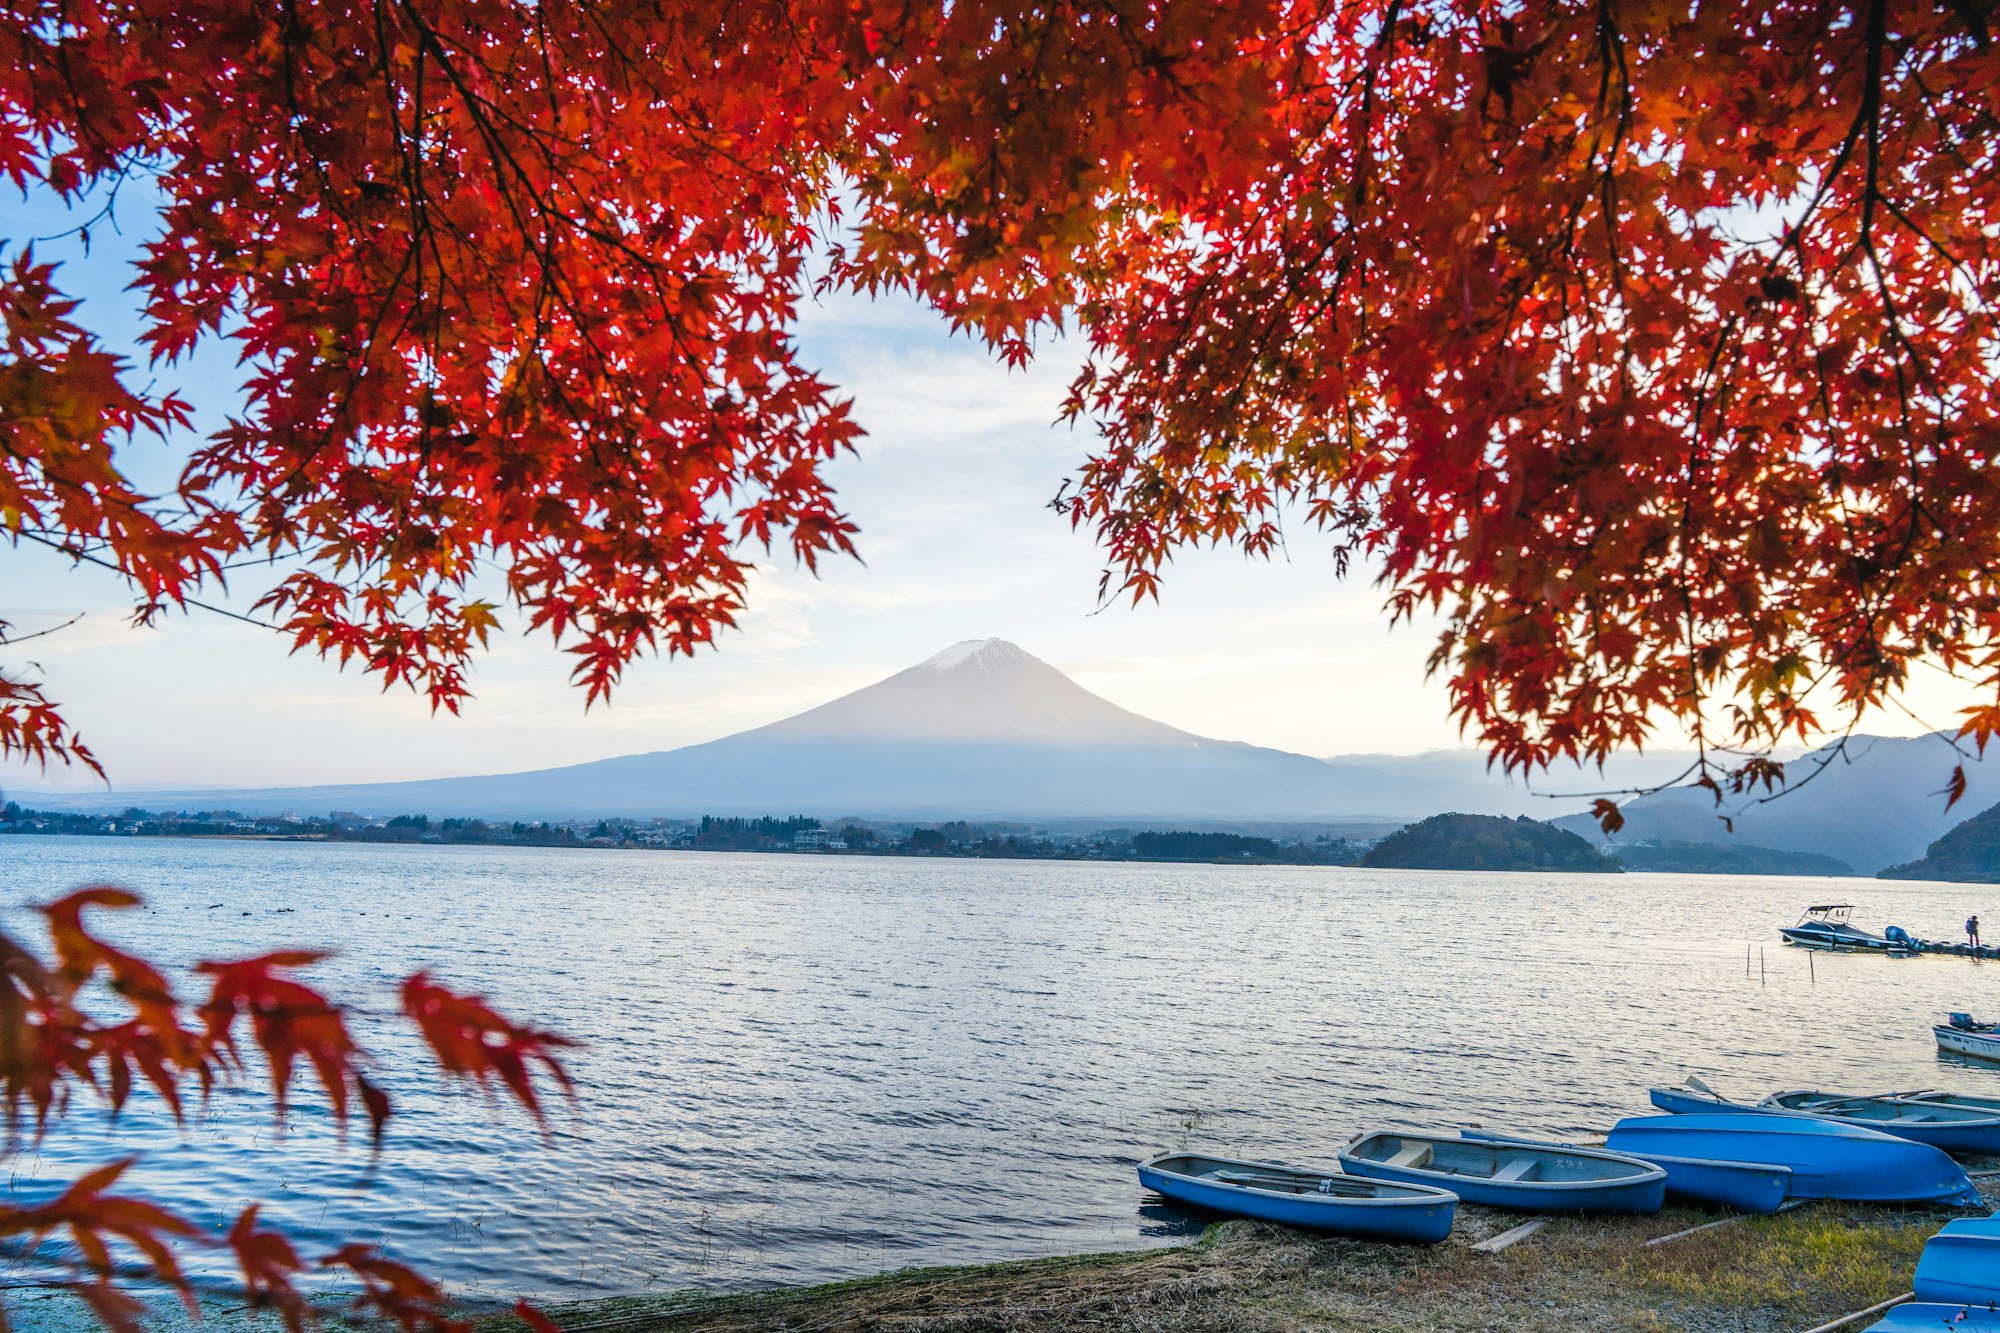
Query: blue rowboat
[1683,1101]
[1960,1129]
[1748,1187]
[1962,1264]
[1318,1201]
[1828,1160]
[1930,1318]
[1933,1120]
[1925,1317]
[1521,1174]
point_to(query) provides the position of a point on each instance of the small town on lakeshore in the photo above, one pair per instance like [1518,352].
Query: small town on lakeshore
[1448,841]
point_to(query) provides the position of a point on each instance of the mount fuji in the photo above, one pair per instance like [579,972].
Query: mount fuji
[980,730]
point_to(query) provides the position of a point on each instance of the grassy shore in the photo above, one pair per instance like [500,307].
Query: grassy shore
[1780,1274]
[1776,1274]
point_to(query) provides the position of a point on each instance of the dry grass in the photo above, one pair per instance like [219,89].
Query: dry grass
[1765,1275]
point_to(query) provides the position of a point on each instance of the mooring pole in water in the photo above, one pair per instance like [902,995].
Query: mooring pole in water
[1746,958]
[1811,976]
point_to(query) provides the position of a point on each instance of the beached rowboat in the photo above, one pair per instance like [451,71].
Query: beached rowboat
[1829,1160]
[1953,1128]
[1926,1317]
[1748,1187]
[1521,1174]
[1990,1105]
[1319,1201]
[1962,1264]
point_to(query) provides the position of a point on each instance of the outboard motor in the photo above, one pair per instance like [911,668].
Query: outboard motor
[1962,1021]
[1896,935]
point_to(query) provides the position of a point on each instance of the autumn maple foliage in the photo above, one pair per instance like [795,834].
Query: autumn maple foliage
[1650,344]
[93,1017]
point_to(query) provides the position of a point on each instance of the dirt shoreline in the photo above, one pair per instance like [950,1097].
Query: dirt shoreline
[1780,1274]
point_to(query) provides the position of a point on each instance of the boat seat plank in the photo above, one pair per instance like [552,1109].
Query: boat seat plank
[1517,1168]
[1413,1157]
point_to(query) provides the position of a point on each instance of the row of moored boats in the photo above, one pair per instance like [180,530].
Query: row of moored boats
[1405,1185]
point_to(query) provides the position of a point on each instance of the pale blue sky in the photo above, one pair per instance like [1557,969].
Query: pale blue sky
[950,489]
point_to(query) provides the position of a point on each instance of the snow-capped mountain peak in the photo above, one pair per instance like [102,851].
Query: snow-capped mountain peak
[978,690]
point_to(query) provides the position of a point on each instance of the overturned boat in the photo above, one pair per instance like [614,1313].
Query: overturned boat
[1828,1159]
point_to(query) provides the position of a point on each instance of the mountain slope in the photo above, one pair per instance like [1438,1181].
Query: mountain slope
[981,730]
[1877,804]
[1969,853]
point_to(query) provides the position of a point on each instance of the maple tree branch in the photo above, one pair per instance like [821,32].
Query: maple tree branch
[9,640]
[77,553]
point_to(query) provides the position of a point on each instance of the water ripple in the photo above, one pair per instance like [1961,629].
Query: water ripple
[801,1068]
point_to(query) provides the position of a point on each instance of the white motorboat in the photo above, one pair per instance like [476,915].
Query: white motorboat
[1827,927]
[1962,1036]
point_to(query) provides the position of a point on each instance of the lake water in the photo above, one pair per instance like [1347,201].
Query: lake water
[806,1067]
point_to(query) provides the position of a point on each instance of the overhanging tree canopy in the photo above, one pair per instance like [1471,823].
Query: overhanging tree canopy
[1652,344]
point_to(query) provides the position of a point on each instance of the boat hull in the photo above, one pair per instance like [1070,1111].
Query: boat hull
[1748,1187]
[1674,1101]
[1982,1045]
[1828,1160]
[1807,937]
[1961,1264]
[1420,1216]
[1926,1317]
[1638,1187]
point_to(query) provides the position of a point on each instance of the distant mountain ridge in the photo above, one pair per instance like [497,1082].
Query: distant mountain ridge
[981,730]
[1878,802]
[985,730]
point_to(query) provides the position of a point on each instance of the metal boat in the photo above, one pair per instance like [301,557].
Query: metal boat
[1320,1201]
[1827,927]
[1828,1159]
[1965,1037]
[1961,1264]
[1521,1174]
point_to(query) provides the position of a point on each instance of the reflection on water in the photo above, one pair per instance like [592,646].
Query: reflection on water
[809,1067]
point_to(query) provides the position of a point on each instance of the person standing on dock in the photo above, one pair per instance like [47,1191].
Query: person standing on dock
[1972,930]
